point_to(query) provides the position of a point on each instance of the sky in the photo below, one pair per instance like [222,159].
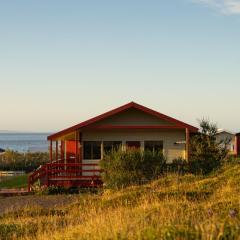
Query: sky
[62,62]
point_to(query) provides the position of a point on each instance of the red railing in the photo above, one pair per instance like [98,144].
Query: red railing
[58,171]
[39,173]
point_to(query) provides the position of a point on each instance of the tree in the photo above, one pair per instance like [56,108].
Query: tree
[206,153]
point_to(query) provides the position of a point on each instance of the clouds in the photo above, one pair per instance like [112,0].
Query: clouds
[228,7]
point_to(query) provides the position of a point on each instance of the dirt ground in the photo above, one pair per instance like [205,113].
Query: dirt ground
[9,204]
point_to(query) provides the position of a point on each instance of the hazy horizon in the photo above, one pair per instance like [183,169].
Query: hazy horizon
[64,62]
[22,132]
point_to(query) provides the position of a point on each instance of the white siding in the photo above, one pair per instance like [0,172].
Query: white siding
[169,137]
[225,135]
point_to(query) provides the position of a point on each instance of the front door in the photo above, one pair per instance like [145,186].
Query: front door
[133,144]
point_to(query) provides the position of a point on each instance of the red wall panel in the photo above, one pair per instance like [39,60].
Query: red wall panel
[70,151]
[238,145]
[70,146]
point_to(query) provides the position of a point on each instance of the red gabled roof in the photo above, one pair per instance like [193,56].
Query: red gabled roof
[118,110]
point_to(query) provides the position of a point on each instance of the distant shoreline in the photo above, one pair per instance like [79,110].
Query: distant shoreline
[20,132]
[24,142]
[23,152]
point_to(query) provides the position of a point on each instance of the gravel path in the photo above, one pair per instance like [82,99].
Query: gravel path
[10,204]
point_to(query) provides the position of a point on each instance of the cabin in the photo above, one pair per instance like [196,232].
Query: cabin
[234,141]
[75,152]
[223,135]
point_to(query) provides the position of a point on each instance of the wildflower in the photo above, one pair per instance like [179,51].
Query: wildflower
[233,213]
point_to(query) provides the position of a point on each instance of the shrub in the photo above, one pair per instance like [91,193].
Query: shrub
[179,166]
[58,190]
[123,168]
[16,161]
[207,154]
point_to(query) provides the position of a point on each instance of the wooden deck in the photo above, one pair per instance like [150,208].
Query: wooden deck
[66,175]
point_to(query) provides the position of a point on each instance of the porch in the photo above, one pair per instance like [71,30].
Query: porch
[66,175]
[66,168]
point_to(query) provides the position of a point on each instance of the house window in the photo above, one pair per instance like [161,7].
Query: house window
[109,146]
[153,146]
[92,150]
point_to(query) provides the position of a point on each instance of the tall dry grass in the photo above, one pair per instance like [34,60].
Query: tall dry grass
[173,207]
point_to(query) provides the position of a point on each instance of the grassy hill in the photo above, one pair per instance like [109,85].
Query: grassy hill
[173,207]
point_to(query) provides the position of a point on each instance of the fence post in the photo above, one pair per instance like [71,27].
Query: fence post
[29,184]
[47,180]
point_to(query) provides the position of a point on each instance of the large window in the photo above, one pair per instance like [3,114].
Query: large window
[110,146]
[92,150]
[153,146]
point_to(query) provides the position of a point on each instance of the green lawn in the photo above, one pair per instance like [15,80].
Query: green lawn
[14,182]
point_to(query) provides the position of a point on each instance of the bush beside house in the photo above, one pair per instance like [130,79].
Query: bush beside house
[124,168]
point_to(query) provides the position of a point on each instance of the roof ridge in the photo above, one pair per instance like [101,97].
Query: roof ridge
[118,110]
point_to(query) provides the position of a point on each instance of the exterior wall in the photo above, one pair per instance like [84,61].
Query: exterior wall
[169,138]
[133,117]
[225,135]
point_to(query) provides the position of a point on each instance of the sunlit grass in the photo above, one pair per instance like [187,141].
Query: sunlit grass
[173,207]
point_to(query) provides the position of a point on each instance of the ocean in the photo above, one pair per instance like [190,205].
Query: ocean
[24,142]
